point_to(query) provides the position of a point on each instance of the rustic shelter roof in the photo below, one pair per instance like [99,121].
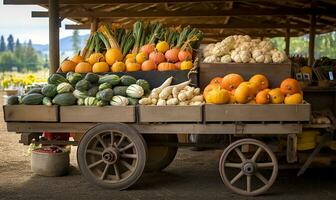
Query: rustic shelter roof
[215,18]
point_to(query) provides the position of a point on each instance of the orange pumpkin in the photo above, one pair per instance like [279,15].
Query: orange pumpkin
[209,87]
[77,59]
[216,80]
[113,55]
[260,80]
[243,94]
[141,57]
[184,55]
[148,65]
[130,60]
[83,67]
[96,57]
[157,57]
[100,67]
[131,67]
[172,55]
[217,95]
[263,97]
[231,81]
[253,86]
[290,86]
[131,55]
[118,67]
[178,65]
[294,99]
[148,48]
[232,98]
[166,66]
[277,96]
[68,66]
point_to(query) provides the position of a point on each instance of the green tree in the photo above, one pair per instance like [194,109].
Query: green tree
[75,41]
[2,44]
[30,57]
[10,43]
[7,61]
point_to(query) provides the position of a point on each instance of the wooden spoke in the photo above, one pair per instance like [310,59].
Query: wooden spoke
[95,164]
[240,154]
[116,170]
[256,154]
[94,152]
[237,177]
[262,178]
[265,165]
[233,165]
[128,166]
[101,141]
[248,183]
[120,141]
[112,138]
[126,147]
[105,171]
[125,155]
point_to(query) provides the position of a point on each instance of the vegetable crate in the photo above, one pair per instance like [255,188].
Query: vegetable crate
[121,142]
[275,72]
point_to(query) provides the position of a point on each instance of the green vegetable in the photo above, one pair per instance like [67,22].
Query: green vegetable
[144,84]
[35,90]
[119,101]
[13,100]
[80,95]
[47,101]
[90,101]
[93,91]
[138,28]
[132,101]
[73,77]
[57,79]
[106,95]
[110,78]
[80,102]
[102,103]
[92,78]
[32,99]
[64,99]
[49,90]
[64,87]
[120,90]
[104,86]
[83,85]
[135,91]
[127,80]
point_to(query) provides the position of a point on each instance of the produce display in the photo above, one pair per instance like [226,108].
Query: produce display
[180,94]
[90,90]
[243,49]
[146,47]
[232,88]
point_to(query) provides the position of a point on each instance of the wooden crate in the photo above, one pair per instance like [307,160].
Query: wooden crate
[97,114]
[170,113]
[30,113]
[275,73]
[248,112]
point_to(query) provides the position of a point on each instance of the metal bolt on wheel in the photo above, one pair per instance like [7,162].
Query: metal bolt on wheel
[255,160]
[112,156]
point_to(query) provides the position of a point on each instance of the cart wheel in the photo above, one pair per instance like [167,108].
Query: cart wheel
[160,157]
[255,159]
[112,155]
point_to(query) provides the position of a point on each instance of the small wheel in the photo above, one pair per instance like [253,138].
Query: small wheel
[160,157]
[255,161]
[112,155]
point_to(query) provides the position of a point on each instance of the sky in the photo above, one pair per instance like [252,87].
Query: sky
[17,20]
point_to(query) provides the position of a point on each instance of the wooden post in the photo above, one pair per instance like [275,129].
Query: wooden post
[312,33]
[94,24]
[53,36]
[287,37]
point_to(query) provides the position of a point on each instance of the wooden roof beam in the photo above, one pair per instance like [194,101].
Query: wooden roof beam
[80,2]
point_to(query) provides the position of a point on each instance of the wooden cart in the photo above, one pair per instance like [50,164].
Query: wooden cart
[113,151]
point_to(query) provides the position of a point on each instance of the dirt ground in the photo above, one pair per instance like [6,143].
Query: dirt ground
[193,175]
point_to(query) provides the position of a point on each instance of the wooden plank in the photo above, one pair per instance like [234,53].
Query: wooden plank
[170,113]
[97,114]
[274,72]
[312,33]
[54,23]
[32,113]
[81,2]
[254,112]
[172,128]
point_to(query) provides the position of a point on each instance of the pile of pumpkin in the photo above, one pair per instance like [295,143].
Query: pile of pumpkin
[89,90]
[233,89]
[146,47]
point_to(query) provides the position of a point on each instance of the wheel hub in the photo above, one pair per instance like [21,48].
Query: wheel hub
[249,168]
[110,155]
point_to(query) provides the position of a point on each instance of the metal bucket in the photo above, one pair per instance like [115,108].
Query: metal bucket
[49,163]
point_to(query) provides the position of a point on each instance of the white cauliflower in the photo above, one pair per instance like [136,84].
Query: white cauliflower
[220,50]
[211,59]
[268,59]
[245,56]
[278,56]
[226,59]
[256,53]
[207,49]
[252,60]
[260,58]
